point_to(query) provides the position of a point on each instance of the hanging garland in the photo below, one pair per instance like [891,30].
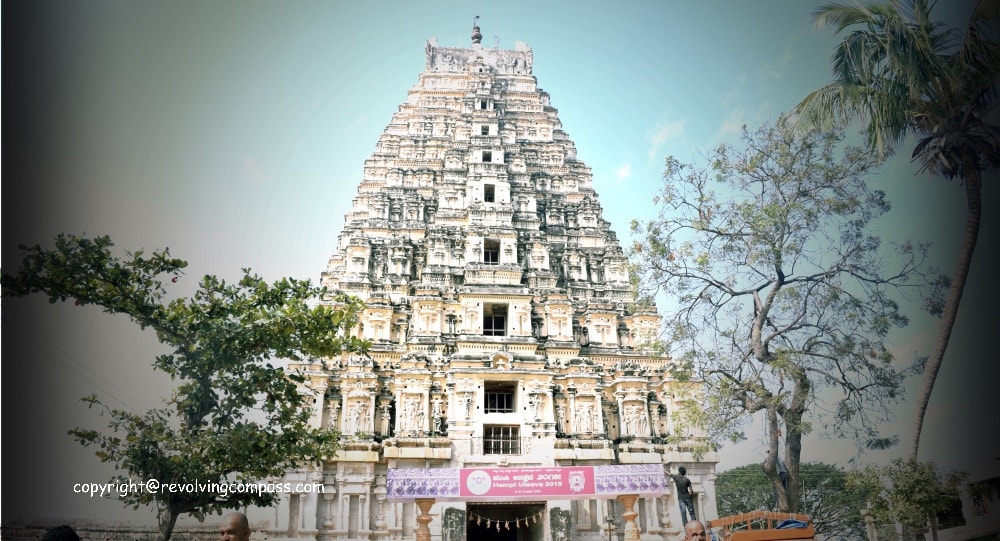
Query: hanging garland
[492,522]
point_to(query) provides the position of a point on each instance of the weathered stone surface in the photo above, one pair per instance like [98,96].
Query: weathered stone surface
[505,328]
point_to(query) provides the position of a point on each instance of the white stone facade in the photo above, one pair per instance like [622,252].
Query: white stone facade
[502,319]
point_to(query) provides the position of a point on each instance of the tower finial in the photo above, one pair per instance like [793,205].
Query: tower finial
[477,37]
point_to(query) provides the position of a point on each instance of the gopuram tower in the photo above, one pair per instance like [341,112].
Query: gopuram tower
[504,326]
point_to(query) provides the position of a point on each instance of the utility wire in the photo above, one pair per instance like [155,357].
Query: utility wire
[48,350]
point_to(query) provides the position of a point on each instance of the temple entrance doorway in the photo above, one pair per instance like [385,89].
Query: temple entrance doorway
[508,521]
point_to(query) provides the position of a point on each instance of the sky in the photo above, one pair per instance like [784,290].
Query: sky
[235,133]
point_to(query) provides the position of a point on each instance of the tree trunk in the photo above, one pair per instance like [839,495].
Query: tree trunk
[770,465]
[974,205]
[793,437]
[168,518]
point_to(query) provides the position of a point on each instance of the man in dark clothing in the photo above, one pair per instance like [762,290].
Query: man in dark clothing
[61,533]
[684,494]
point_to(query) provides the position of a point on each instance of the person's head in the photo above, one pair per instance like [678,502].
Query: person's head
[695,531]
[683,470]
[61,533]
[235,527]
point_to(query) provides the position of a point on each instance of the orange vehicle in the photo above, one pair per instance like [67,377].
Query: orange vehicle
[764,526]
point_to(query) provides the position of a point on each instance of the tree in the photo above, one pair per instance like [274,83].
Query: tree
[903,73]
[234,416]
[779,288]
[834,509]
[907,491]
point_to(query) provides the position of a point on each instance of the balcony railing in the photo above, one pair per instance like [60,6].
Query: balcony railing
[494,446]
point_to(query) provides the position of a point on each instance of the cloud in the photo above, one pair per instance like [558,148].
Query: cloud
[732,124]
[776,70]
[663,132]
[736,92]
[358,122]
[623,173]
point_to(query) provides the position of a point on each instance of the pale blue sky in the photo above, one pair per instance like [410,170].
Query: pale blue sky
[235,133]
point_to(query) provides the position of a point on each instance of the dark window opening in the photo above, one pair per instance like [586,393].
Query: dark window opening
[485,130]
[499,397]
[495,320]
[491,251]
[505,512]
[501,440]
[489,193]
[494,326]
[487,156]
[482,104]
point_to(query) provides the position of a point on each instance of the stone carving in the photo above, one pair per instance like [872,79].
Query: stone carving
[448,219]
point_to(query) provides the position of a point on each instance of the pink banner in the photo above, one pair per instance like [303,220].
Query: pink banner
[519,482]
[559,482]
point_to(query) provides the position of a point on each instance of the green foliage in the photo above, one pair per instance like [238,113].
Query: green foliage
[910,492]
[826,498]
[777,288]
[901,73]
[233,415]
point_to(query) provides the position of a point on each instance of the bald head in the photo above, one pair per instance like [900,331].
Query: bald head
[694,531]
[234,527]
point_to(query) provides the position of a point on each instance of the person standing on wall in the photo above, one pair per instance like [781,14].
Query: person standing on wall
[685,494]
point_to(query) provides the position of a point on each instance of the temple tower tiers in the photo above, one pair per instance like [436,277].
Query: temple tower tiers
[503,323]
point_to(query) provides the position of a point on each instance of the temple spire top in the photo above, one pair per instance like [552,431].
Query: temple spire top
[477,36]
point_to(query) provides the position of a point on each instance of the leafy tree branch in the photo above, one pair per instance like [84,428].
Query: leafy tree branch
[234,415]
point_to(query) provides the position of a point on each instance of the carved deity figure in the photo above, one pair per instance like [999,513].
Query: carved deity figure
[586,422]
[363,417]
[405,415]
[468,406]
[535,402]
[414,414]
[351,418]
[385,420]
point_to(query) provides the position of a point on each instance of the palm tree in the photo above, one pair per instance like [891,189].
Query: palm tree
[901,73]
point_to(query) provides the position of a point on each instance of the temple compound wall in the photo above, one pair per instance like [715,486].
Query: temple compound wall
[506,331]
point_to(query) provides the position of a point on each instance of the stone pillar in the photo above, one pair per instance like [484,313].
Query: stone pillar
[606,519]
[369,426]
[654,422]
[345,511]
[381,526]
[663,509]
[629,514]
[598,414]
[425,402]
[400,407]
[652,521]
[345,413]
[424,518]
[364,523]
[645,419]
[294,501]
[334,421]
[328,516]
[622,428]
[570,410]
[316,418]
